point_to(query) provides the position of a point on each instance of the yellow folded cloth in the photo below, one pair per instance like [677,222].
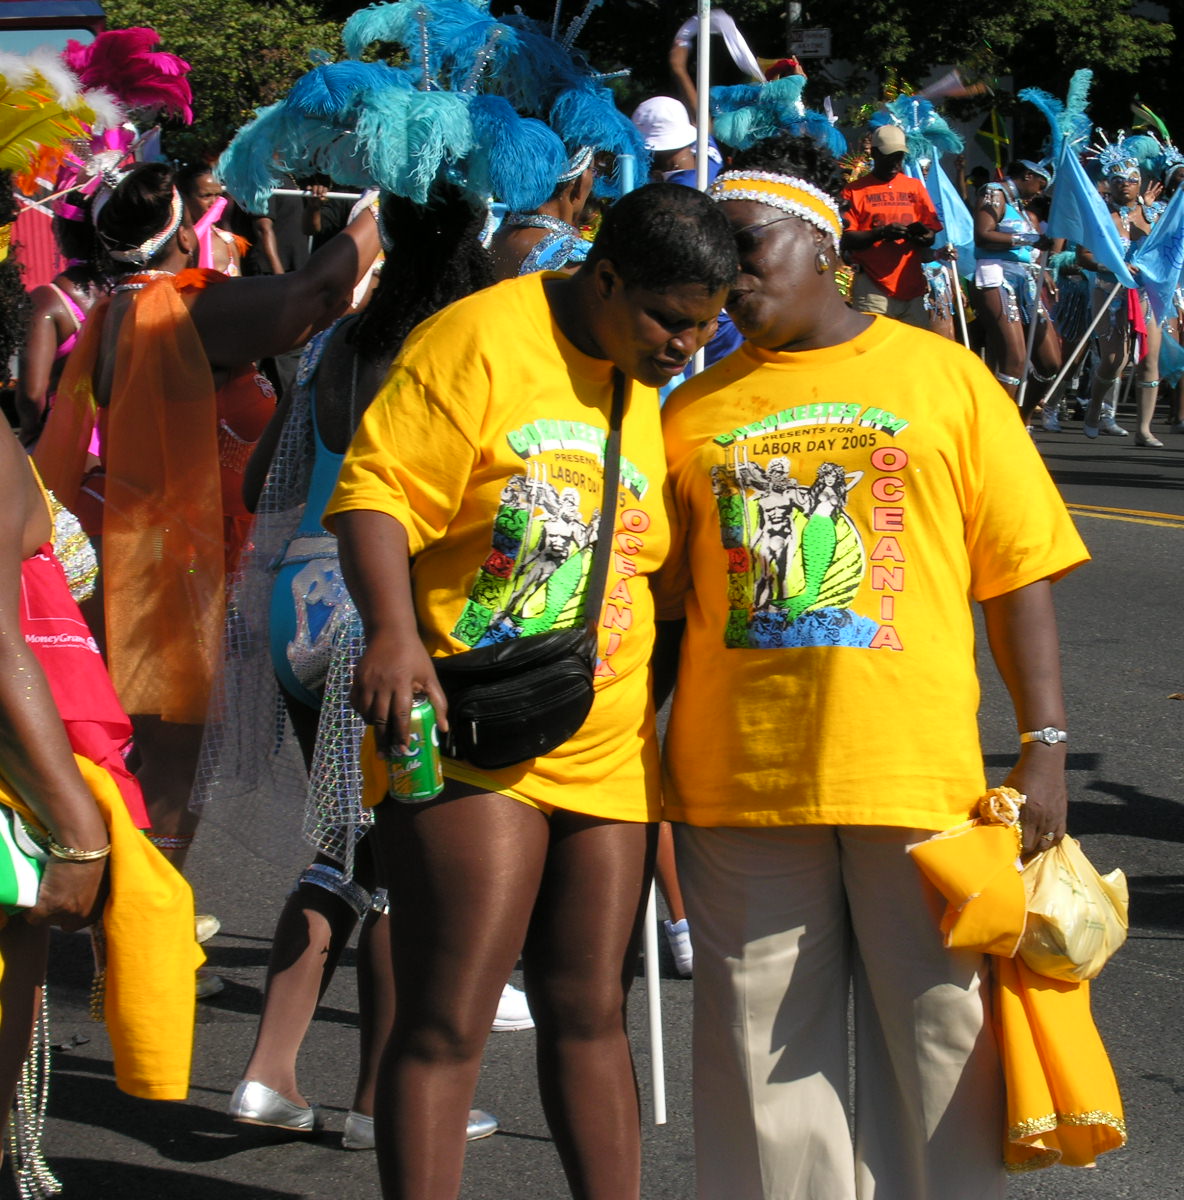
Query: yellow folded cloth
[976,868]
[1063,1103]
[152,956]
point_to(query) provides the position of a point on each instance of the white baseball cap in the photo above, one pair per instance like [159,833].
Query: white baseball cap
[889,139]
[662,122]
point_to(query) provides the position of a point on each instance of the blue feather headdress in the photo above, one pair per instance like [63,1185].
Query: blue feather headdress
[750,112]
[497,107]
[1067,120]
[926,132]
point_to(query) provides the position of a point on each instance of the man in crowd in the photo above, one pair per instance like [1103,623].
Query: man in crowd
[890,223]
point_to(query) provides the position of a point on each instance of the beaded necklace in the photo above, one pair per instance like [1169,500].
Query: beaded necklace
[539,221]
[140,280]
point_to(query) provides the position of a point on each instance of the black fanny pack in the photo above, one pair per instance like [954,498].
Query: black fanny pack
[516,700]
[519,699]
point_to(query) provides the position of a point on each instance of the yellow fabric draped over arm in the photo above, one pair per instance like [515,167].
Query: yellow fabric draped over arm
[151,952]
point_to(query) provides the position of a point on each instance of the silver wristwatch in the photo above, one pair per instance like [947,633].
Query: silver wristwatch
[1049,735]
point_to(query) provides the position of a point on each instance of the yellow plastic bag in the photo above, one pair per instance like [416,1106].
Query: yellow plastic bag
[1077,918]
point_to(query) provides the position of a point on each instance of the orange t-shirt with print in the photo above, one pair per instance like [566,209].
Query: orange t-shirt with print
[894,267]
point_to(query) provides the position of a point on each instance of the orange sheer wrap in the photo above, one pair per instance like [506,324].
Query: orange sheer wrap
[1063,1103]
[163,568]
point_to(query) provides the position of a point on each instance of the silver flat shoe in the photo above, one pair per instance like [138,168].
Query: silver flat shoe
[256,1104]
[358,1133]
[481,1124]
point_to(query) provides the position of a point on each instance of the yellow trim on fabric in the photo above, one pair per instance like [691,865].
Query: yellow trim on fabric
[783,191]
[5,241]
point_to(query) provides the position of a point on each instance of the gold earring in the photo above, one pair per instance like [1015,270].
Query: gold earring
[822,262]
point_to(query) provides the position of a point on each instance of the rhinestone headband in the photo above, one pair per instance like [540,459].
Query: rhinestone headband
[579,162]
[786,193]
[146,251]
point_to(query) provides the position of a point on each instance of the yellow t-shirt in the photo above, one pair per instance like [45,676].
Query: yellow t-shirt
[486,443]
[834,513]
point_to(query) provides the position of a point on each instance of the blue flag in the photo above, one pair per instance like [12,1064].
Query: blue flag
[1160,257]
[1171,360]
[957,223]
[1080,215]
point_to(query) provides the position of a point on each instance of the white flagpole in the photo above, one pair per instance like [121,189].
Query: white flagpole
[703,113]
[654,1004]
[956,283]
[650,936]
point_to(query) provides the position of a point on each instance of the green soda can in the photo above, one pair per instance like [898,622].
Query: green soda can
[419,776]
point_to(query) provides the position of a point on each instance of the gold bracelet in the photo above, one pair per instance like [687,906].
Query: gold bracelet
[69,854]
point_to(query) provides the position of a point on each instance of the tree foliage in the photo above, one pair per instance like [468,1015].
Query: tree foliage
[243,55]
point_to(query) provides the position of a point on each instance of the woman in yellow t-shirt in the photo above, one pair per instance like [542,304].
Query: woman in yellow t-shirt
[466,513]
[840,486]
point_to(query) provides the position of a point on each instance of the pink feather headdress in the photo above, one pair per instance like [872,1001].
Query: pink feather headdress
[124,62]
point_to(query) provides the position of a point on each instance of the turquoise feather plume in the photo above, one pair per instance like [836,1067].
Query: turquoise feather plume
[517,159]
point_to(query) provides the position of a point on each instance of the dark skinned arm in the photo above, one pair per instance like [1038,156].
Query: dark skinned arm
[1022,633]
[37,359]
[863,239]
[254,318]
[36,759]
[265,236]
[375,563]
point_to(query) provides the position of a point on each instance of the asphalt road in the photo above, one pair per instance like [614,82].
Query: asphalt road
[1121,630]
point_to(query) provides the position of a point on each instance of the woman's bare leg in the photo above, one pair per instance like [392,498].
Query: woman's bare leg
[580,960]
[168,755]
[463,875]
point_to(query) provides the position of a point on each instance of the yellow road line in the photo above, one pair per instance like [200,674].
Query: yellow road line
[1132,516]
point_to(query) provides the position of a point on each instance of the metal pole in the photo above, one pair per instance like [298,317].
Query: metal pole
[1068,366]
[1019,396]
[702,115]
[627,165]
[628,168]
[958,304]
[326,196]
[654,1004]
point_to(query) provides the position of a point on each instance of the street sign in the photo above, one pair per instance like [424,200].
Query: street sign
[811,43]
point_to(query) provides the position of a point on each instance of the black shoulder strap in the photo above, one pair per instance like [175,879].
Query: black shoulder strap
[608,506]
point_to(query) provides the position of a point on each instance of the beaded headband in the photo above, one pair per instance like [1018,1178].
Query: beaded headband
[579,162]
[784,192]
[146,251]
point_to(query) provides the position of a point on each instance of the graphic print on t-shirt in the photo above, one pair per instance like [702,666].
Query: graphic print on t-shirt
[796,558]
[534,578]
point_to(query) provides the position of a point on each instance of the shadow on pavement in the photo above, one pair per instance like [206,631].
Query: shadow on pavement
[1136,815]
[93,1177]
[84,1093]
[1157,901]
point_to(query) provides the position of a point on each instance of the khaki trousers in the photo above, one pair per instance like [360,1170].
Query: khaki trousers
[867,298]
[785,921]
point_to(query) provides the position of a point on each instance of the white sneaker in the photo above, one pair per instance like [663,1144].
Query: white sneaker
[678,938]
[513,1012]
